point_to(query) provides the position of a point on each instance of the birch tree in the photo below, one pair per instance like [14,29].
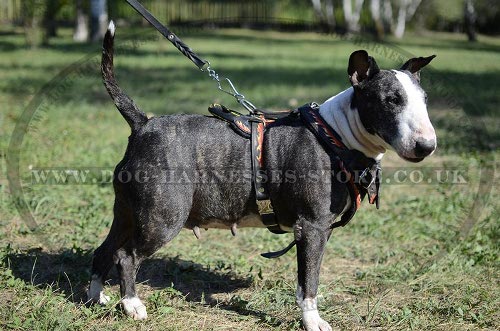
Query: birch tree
[407,9]
[352,14]
[326,13]
[81,26]
[382,14]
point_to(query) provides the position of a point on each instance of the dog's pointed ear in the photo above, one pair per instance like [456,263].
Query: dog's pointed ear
[361,67]
[414,65]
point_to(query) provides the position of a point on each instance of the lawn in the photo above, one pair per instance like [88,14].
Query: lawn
[427,260]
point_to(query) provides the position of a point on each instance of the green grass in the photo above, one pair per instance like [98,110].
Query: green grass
[421,262]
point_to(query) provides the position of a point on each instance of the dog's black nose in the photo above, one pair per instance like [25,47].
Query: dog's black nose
[424,147]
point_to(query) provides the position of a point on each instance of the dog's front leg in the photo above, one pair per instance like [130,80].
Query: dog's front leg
[311,239]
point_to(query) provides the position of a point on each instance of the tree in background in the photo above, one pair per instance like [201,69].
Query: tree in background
[407,9]
[40,18]
[382,14]
[352,14]
[98,19]
[384,20]
[49,19]
[325,14]
[81,33]
[470,20]
[32,17]
[40,23]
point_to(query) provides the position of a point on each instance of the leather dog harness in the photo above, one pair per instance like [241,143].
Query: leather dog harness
[253,127]
[360,173]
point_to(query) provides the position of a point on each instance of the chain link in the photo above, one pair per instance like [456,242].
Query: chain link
[233,91]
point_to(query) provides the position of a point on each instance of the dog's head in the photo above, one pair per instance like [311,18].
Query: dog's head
[392,105]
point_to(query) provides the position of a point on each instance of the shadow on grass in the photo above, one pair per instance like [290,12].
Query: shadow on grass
[68,273]
[6,46]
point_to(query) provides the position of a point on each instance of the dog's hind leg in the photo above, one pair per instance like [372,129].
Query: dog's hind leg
[101,264]
[127,263]
[120,232]
[156,227]
[128,260]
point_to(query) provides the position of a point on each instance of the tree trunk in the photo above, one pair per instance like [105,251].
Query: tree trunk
[387,19]
[330,14]
[352,15]
[32,18]
[81,27]
[98,19]
[412,8]
[317,9]
[399,31]
[470,20]
[326,15]
[407,9]
[375,7]
[49,20]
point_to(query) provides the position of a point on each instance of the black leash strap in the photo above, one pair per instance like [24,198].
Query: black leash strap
[176,41]
[274,255]
[203,65]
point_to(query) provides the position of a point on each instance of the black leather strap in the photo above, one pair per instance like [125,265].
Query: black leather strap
[238,122]
[257,161]
[363,172]
[176,41]
[259,177]
[253,127]
[273,255]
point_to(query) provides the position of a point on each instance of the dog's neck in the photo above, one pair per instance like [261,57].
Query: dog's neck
[337,112]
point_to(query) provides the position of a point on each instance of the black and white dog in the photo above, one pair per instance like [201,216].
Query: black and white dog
[384,109]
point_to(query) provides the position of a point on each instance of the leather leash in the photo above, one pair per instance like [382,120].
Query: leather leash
[202,64]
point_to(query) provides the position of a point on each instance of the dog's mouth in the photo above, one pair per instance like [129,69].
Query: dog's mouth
[413,159]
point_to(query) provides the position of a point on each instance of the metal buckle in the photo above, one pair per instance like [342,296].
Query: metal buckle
[362,177]
[264,206]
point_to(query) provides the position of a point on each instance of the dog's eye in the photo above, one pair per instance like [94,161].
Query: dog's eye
[425,96]
[393,99]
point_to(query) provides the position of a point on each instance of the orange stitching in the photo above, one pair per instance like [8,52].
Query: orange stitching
[321,124]
[242,126]
[260,141]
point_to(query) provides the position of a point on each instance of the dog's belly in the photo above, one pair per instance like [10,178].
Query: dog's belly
[248,221]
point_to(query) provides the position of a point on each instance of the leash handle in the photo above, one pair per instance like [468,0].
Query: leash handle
[176,41]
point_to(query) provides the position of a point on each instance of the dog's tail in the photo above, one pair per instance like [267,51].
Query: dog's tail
[133,115]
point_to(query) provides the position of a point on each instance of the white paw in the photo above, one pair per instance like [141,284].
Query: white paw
[134,308]
[95,294]
[102,299]
[312,321]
